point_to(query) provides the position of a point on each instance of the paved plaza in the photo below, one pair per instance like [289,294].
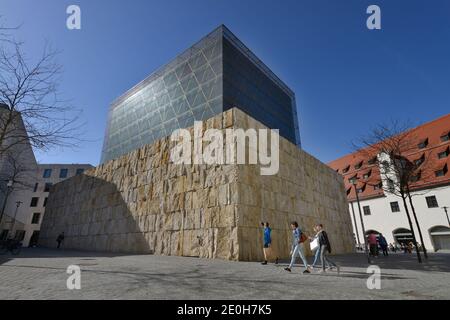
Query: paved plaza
[41,274]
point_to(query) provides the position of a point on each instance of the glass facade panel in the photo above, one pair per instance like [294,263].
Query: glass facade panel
[215,74]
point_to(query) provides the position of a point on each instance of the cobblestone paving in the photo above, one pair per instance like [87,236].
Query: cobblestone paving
[41,274]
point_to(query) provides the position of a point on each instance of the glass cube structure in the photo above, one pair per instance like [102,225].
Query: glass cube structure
[217,73]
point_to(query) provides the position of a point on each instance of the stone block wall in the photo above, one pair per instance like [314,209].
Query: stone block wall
[143,203]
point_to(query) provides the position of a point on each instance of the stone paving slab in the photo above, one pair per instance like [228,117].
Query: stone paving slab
[41,274]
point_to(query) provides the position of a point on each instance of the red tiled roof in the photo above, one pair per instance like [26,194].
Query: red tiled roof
[433,131]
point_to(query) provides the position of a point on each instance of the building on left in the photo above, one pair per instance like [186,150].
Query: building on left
[25,184]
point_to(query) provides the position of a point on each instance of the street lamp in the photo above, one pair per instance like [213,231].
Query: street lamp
[354,182]
[18,203]
[446,213]
[9,186]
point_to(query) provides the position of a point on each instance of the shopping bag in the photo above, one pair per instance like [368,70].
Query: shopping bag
[314,245]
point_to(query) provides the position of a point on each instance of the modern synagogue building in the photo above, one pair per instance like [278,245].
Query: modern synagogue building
[137,200]
[214,75]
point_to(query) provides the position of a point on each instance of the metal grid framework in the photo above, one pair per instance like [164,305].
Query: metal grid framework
[199,83]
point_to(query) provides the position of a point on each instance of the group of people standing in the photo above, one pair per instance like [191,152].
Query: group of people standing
[375,242]
[378,242]
[320,245]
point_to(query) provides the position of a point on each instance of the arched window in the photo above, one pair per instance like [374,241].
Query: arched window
[402,235]
[440,237]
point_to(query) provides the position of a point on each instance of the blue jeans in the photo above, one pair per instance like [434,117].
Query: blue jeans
[323,257]
[316,257]
[300,251]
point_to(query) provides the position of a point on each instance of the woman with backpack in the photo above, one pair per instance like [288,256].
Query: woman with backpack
[298,238]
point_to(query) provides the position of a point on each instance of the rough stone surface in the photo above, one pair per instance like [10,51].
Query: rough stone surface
[142,203]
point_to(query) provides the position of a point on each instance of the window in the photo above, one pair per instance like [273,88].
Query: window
[36,218]
[432,202]
[367,174]
[378,186]
[48,186]
[45,202]
[353,179]
[81,170]
[349,190]
[63,173]
[443,154]
[358,165]
[372,160]
[395,207]
[420,160]
[20,235]
[36,185]
[47,173]
[34,202]
[445,137]
[423,144]
[361,190]
[442,172]
[345,170]
[366,210]
[416,177]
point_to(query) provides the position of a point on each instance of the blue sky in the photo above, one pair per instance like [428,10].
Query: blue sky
[346,78]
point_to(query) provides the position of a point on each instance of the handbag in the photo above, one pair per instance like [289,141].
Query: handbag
[303,238]
[314,245]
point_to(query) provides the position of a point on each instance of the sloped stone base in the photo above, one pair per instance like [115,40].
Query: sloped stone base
[143,203]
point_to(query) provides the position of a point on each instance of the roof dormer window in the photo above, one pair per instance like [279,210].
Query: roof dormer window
[423,144]
[442,172]
[353,179]
[372,160]
[367,174]
[420,160]
[443,154]
[445,137]
[378,186]
[416,177]
[361,190]
[358,165]
[345,170]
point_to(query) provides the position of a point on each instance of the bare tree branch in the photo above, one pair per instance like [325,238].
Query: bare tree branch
[29,99]
[393,146]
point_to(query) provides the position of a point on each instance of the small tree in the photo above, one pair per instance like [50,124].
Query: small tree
[391,144]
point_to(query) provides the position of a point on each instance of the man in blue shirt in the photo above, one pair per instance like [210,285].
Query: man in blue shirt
[268,250]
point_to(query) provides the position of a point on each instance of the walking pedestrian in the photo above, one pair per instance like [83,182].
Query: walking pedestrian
[383,244]
[267,239]
[60,239]
[317,251]
[373,244]
[325,247]
[298,238]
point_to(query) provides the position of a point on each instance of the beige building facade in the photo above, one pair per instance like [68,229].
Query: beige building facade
[141,202]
